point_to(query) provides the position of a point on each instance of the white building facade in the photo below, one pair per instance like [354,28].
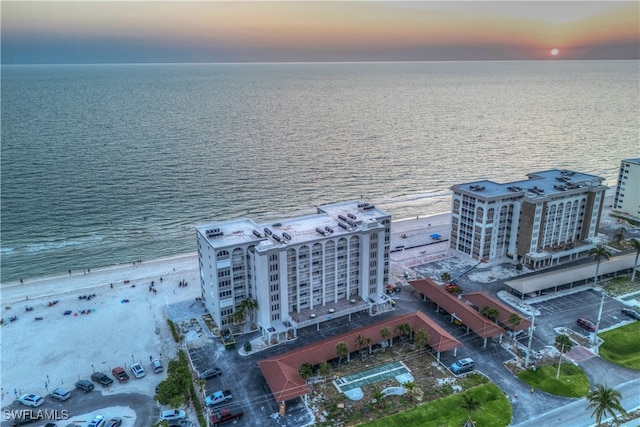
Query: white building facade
[627,199]
[299,271]
[549,218]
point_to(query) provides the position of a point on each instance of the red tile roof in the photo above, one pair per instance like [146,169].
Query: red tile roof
[480,299]
[479,324]
[281,372]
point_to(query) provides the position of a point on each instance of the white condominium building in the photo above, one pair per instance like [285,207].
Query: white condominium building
[296,272]
[627,200]
[547,219]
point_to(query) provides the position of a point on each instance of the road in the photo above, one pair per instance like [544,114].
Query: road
[577,414]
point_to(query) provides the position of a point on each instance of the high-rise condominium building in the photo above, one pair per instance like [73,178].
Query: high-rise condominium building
[627,199]
[296,272]
[547,219]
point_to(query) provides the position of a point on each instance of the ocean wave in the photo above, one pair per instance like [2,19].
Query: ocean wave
[53,246]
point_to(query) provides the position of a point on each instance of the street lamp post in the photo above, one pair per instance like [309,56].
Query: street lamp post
[595,334]
[526,359]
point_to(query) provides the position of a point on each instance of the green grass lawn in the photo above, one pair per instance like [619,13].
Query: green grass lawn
[573,381]
[494,411]
[622,346]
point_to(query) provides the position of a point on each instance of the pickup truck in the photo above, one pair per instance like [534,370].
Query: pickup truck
[224,416]
[218,397]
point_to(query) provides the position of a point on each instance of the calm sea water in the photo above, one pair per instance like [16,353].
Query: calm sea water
[105,164]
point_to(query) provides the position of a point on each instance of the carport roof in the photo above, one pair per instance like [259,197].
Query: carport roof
[579,273]
[480,299]
[282,371]
[470,317]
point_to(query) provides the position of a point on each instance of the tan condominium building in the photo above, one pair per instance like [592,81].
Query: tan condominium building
[286,274]
[627,200]
[550,218]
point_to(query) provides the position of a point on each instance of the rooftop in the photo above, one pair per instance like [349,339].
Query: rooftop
[341,218]
[547,183]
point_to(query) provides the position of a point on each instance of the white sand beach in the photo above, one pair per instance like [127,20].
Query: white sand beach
[125,323]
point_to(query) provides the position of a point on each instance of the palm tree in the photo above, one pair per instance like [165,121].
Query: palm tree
[324,370]
[470,403]
[514,320]
[564,344]
[598,253]
[378,395]
[367,343]
[306,370]
[605,400]
[635,244]
[362,342]
[421,338]
[248,305]
[410,386]
[445,277]
[618,236]
[342,350]
[490,312]
[405,329]
[385,333]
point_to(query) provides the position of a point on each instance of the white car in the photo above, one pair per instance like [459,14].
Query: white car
[137,370]
[98,421]
[60,394]
[32,400]
[172,415]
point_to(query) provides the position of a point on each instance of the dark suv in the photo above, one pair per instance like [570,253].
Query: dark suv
[84,385]
[101,378]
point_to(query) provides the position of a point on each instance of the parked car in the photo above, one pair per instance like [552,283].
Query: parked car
[102,379]
[462,365]
[586,324]
[25,417]
[225,416]
[137,370]
[156,365]
[32,400]
[172,415]
[60,394]
[631,313]
[97,421]
[114,422]
[210,373]
[218,397]
[84,385]
[120,374]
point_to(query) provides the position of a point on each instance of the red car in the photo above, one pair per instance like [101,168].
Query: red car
[120,374]
[586,324]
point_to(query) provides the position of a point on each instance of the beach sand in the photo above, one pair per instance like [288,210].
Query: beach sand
[126,324]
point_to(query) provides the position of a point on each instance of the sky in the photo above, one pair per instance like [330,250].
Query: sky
[40,32]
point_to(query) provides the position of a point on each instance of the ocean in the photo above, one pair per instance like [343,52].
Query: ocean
[107,164]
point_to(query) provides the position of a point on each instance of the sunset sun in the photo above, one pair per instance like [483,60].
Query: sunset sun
[554,52]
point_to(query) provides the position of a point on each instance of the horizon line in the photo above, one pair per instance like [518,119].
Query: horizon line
[319,62]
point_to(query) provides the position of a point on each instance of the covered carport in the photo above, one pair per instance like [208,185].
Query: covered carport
[572,276]
[282,372]
[480,299]
[458,309]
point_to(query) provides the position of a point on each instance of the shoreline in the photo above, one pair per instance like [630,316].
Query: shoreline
[179,258]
